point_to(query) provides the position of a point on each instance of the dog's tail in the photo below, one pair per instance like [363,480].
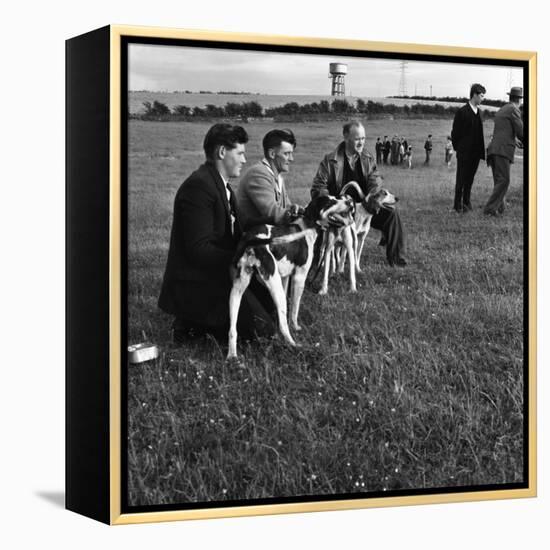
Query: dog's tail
[291,237]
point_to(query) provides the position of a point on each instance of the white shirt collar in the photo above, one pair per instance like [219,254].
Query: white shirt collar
[474,109]
[277,177]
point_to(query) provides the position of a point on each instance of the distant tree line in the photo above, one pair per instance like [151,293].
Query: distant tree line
[449,99]
[252,109]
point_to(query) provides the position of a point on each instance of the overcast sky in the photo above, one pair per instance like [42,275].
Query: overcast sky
[175,68]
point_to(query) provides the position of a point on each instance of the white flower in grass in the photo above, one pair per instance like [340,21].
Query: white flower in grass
[224,491]
[392,410]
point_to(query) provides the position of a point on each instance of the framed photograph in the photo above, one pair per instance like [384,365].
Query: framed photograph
[300,274]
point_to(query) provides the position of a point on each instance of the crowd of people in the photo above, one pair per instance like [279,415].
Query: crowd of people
[399,152]
[395,152]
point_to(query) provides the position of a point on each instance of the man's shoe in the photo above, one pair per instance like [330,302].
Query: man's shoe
[399,262]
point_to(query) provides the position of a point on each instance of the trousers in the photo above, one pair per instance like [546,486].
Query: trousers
[500,167]
[466,168]
[388,221]
[256,315]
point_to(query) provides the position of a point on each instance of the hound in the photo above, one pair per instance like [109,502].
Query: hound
[329,257]
[364,211]
[276,254]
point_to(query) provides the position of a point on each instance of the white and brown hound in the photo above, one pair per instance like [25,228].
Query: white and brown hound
[276,254]
[365,209]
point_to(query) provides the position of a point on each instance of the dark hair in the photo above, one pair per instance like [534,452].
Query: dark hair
[349,125]
[477,89]
[223,134]
[274,138]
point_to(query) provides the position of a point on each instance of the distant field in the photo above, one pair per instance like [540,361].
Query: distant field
[136,99]
[413,382]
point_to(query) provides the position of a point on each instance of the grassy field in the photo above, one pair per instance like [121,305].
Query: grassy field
[413,382]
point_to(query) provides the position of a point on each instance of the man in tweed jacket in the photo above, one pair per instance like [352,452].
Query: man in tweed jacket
[350,162]
[501,150]
[262,195]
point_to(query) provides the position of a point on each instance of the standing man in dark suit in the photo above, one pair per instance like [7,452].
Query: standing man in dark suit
[205,231]
[501,150]
[469,144]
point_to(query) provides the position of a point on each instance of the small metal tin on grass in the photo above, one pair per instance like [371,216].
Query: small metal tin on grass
[139,353]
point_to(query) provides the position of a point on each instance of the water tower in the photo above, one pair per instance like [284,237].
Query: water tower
[337,72]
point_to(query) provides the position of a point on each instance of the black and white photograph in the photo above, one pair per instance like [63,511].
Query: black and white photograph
[326,274]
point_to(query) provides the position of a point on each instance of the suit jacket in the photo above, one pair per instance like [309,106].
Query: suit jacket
[508,127]
[202,244]
[463,135]
[259,197]
[330,174]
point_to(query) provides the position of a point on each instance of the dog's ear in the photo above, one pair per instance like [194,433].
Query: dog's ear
[373,204]
[314,208]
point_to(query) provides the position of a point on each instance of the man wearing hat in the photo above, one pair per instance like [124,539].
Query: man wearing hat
[501,150]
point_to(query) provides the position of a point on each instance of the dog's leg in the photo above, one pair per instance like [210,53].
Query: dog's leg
[240,284]
[275,287]
[348,241]
[298,282]
[327,259]
[342,253]
[285,280]
[361,243]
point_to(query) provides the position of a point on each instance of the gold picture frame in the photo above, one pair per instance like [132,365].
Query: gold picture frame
[105,503]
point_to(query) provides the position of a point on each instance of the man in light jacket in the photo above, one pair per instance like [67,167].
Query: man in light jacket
[262,195]
[501,150]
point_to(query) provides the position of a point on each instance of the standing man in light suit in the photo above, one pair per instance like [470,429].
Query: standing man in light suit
[501,150]
[262,195]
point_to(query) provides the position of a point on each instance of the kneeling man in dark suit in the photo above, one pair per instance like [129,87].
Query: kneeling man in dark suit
[205,231]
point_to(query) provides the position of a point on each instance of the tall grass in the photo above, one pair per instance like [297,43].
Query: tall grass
[414,382]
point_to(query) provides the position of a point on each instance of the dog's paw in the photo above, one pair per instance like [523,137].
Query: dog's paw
[235,362]
[297,328]
[323,291]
